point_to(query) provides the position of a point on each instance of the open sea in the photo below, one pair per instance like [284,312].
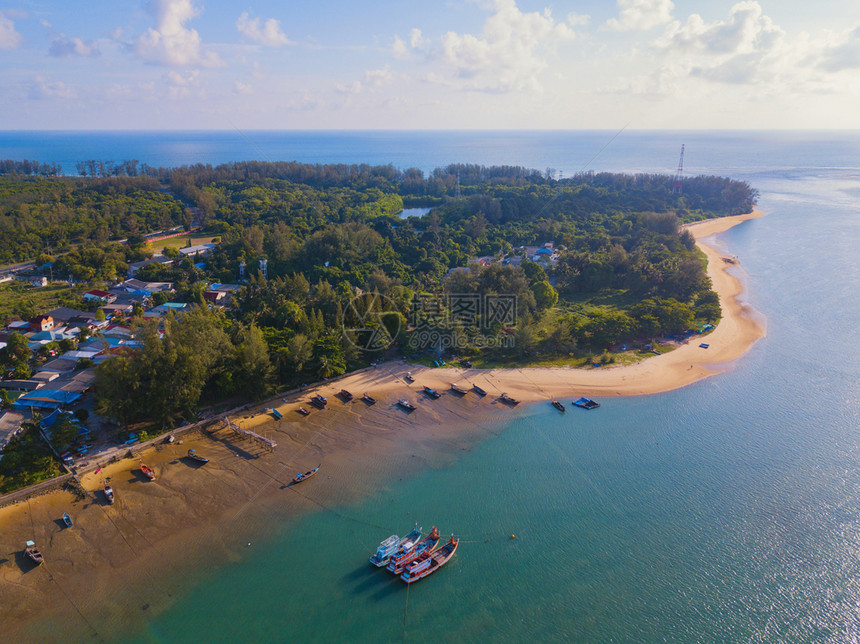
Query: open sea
[727,511]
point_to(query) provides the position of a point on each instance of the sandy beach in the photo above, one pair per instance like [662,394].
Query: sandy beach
[121,560]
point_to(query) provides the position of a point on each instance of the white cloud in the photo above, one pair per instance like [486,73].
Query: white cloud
[398,47]
[171,42]
[42,88]
[62,46]
[266,33]
[509,53]
[373,79]
[841,51]
[242,88]
[181,84]
[747,47]
[9,38]
[641,14]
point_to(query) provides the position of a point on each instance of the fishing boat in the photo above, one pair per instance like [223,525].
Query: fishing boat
[431,392]
[430,561]
[507,399]
[33,553]
[278,415]
[586,403]
[370,400]
[304,477]
[408,377]
[147,471]
[406,404]
[558,405]
[458,390]
[67,519]
[478,390]
[392,545]
[319,401]
[303,411]
[108,492]
[404,556]
[347,396]
[194,456]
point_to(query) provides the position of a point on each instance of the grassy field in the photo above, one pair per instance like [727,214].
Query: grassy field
[24,301]
[181,241]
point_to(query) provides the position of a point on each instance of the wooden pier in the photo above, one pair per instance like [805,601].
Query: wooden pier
[266,443]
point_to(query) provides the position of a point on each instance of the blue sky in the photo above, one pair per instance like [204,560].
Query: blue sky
[520,64]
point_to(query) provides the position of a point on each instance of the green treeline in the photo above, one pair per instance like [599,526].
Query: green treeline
[346,275]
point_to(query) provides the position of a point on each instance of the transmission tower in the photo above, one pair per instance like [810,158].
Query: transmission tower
[676,186]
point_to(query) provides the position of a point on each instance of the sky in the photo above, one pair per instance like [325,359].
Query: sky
[460,64]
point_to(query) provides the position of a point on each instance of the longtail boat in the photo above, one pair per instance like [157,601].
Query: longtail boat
[303,411]
[406,404]
[430,561]
[108,492]
[458,390]
[304,477]
[479,391]
[347,396]
[507,399]
[194,456]
[398,562]
[67,519]
[431,392]
[147,471]
[33,553]
[391,545]
[558,405]
[370,400]
[408,377]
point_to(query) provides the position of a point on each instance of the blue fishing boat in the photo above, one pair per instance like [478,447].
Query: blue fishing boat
[586,403]
[67,519]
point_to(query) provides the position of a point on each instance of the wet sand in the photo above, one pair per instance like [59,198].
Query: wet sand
[120,561]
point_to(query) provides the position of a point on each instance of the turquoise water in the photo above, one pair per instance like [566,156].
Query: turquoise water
[728,511]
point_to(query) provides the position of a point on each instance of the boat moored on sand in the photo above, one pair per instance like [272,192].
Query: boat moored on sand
[458,390]
[67,519]
[510,401]
[391,545]
[370,400]
[479,391]
[304,477]
[431,392]
[406,555]
[430,562]
[194,456]
[108,492]
[33,553]
[147,471]
[347,396]
[406,404]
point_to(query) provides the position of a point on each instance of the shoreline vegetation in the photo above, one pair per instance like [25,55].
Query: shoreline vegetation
[192,515]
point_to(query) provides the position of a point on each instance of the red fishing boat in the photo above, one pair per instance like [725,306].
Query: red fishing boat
[147,471]
[430,561]
[406,555]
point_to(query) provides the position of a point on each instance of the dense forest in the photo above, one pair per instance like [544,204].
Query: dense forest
[342,267]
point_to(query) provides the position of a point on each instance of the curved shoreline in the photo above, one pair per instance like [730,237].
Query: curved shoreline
[191,516]
[739,328]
